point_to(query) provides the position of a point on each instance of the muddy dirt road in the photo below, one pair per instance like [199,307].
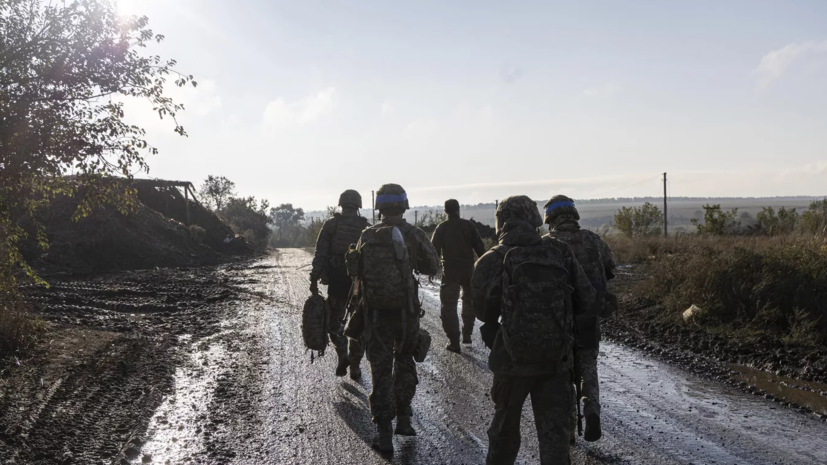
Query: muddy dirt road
[227,381]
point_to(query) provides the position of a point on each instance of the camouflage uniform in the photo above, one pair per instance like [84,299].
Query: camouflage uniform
[598,262]
[457,241]
[391,334]
[549,385]
[328,266]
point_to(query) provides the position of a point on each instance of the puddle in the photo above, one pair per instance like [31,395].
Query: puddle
[174,431]
[805,393]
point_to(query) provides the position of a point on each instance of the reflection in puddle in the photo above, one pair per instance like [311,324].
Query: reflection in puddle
[175,431]
[804,393]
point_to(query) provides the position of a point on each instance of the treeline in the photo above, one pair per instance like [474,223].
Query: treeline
[647,220]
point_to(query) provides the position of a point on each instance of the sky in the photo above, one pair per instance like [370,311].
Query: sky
[478,100]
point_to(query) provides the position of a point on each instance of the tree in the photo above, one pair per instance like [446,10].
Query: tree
[718,222]
[774,224]
[814,220]
[646,220]
[65,70]
[285,217]
[216,191]
[249,218]
[430,220]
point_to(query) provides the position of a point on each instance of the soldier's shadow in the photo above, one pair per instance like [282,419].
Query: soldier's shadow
[354,410]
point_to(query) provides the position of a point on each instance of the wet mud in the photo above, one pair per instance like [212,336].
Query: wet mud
[207,366]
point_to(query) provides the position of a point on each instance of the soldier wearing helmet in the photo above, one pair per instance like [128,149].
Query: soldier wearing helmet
[527,291]
[598,262]
[329,266]
[389,255]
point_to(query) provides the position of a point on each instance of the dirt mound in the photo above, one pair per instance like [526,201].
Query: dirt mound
[169,202]
[107,240]
[484,230]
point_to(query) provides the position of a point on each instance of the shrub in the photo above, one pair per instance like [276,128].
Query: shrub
[198,233]
[18,330]
[814,220]
[776,285]
[646,220]
[718,222]
[784,222]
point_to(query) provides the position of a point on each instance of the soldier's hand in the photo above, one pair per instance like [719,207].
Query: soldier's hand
[314,287]
[488,331]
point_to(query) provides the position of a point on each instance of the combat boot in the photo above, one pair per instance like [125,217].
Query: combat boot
[453,346]
[383,441]
[593,432]
[355,372]
[466,339]
[403,426]
[341,369]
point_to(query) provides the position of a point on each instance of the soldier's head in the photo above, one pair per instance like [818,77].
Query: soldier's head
[560,209]
[452,207]
[350,200]
[518,208]
[391,200]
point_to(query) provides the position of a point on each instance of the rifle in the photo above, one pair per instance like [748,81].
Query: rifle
[578,391]
[352,305]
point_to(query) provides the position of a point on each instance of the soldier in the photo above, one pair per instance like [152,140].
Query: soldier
[598,262]
[329,267]
[456,241]
[389,253]
[527,292]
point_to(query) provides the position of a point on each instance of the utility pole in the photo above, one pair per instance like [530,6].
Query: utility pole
[416,217]
[665,216]
[373,205]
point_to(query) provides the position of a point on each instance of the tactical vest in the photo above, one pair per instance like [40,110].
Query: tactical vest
[347,231]
[586,249]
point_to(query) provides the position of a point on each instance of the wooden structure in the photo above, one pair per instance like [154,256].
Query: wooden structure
[187,186]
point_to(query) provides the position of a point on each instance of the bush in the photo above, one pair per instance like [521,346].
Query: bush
[646,220]
[773,285]
[717,222]
[628,250]
[249,218]
[18,330]
[814,220]
[198,233]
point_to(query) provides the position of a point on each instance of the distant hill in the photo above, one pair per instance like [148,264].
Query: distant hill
[597,212]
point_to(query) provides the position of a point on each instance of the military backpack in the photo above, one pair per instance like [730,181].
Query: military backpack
[537,318]
[315,320]
[385,267]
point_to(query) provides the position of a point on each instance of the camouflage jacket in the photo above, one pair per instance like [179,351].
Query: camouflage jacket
[457,241]
[334,239]
[593,254]
[486,289]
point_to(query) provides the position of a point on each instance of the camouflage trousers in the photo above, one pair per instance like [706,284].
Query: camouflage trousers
[586,366]
[390,345]
[552,399]
[353,349]
[454,282]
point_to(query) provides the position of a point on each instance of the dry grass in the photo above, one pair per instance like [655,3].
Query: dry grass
[18,329]
[775,286]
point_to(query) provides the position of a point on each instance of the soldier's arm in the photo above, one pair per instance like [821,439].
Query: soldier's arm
[479,247]
[427,260]
[322,255]
[436,240]
[486,287]
[584,294]
[609,263]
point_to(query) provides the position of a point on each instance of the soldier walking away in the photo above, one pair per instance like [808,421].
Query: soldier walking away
[337,234]
[598,262]
[389,255]
[459,244]
[528,291]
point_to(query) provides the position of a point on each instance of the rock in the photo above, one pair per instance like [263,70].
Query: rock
[146,458]
[132,453]
[693,313]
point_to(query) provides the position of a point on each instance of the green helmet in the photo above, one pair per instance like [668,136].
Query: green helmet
[391,196]
[350,198]
[560,205]
[518,207]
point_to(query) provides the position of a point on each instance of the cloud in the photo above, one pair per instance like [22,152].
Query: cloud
[282,115]
[599,91]
[774,64]
[510,74]
[387,109]
[421,128]
[199,101]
